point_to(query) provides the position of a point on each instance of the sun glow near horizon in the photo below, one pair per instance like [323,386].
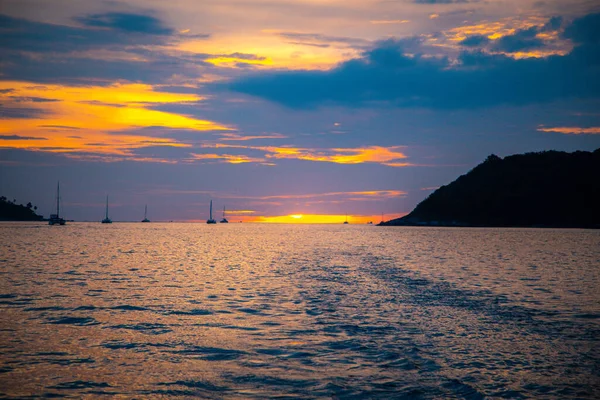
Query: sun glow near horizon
[313,218]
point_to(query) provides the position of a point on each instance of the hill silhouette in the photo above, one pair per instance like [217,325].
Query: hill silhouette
[11,211]
[545,189]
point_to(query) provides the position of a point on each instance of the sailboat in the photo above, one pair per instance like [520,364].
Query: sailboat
[224,220]
[55,219]
[146,214]
[346,221]
[106,220]
[211,220]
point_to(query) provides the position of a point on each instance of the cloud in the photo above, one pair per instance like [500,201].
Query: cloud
[386,74]
[553,24]
[226,158]
[475,41]
[572,130]
[44,52]
[317,39]
[235,137]
[21,112]
[523,39]
[24,35]
[126,22]
[17,137]
[109,117]
[585,30]
[389,156]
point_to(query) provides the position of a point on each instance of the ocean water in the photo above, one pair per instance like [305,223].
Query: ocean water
[291,311]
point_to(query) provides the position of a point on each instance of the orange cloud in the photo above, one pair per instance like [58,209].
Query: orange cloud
[91,119]
[234,137]
[566,130]
[388,156]
[227,158]
[508,26]
[225,61]
[273,50]
[376,194]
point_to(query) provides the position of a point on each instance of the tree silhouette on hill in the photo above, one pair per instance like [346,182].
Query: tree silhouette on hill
[550,188]
[11,211]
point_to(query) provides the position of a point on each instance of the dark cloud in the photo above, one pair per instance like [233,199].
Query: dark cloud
[320,40]
[553,24]
[53,47]
[24,35]
[19,99]
[17,137]
[521,40]
[60,127]
[321,45]
[241,56]
[585,30]
[72,70]
[475,41]
[57,68]
[126,22]
[20,112]
[385,74]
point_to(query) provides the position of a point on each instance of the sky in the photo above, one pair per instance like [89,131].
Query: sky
[283,110]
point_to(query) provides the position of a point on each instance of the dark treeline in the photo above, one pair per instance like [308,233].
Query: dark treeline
[546,189]
[11,211]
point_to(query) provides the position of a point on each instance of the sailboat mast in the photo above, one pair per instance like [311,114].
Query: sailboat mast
[223,212]
[57,198]
[146,211]
[211,210]
[106,206]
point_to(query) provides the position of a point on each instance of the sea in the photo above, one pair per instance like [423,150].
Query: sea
[255,311]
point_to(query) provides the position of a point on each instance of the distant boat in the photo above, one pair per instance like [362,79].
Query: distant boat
[146,214]
[346,221]
[211,220]
[106,220]
[55,219]
[224,220]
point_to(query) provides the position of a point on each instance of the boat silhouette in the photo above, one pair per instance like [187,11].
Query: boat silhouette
[146,214]
[55,219]
[210,220]
[106,220]
[224,220]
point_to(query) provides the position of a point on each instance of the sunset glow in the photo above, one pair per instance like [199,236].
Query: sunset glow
[297,111]
[328,199]
[313,219]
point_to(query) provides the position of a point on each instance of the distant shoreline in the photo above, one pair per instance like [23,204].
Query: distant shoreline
[458,225]
[385,224]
